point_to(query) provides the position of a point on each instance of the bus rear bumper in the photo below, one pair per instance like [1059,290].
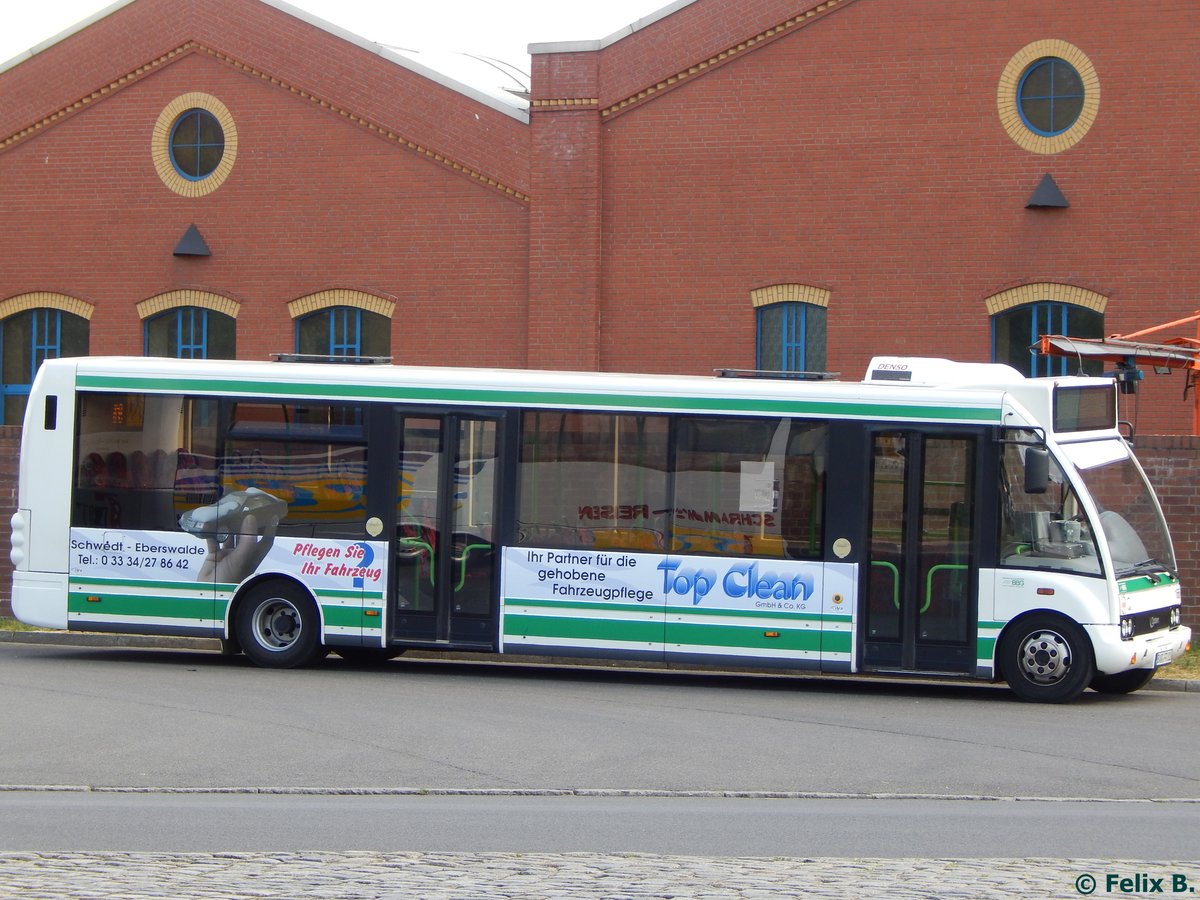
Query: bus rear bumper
[1147,651]
[40,598]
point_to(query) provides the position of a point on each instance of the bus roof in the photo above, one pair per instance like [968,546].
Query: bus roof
[962,400]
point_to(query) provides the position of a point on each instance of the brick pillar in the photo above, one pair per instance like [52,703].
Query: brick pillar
[565,220]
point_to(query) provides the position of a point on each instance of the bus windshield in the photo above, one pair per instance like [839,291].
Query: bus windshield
[1130,518]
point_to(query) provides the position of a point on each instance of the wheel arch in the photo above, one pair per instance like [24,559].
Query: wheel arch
[246,587]
[1052,657]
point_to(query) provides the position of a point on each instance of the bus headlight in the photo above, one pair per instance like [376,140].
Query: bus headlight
[1175,617]
[1126,628]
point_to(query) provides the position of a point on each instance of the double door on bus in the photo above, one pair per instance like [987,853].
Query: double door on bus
[435,496]
[920,578]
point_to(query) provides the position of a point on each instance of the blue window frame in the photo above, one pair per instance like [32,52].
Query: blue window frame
[191,332]
[1050,96]
[1016,330]
[343,331]
[197,144]
[28,338]
[791,337]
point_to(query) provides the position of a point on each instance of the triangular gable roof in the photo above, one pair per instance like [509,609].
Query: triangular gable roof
[380,91]
[681,41]
[504,101]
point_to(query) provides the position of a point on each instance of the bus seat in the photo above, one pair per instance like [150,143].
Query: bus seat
[118,469]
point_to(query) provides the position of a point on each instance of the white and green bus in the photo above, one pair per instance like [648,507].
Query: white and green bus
[938,518]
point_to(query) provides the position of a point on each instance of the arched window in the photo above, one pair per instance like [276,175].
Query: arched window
[343,331]
[191,332]
[1016,330]
[27,338]
[791,337]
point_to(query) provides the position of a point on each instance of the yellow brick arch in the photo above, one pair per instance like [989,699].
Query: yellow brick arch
[789,293]
[152,306]
[311,303]
[46,300]
[1045,292]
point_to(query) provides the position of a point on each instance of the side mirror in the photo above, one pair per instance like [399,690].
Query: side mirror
[1037,470]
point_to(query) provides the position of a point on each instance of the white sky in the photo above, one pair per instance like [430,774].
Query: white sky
[502,30]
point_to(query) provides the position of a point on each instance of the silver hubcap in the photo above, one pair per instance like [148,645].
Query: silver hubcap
[277,624]
[1045,657]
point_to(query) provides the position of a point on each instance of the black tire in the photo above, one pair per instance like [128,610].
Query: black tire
[367,656]
[1122,682]
[1047,659]
[278,626]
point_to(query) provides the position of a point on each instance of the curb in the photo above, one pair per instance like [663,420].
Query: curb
[168,642]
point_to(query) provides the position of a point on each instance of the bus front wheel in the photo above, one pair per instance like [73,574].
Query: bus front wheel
[277,626]
[1047,659]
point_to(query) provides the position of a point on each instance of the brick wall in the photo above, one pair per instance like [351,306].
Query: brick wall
[861,151]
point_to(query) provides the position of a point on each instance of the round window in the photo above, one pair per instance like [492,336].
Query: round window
[197,144]
[194,144]
[1050,96]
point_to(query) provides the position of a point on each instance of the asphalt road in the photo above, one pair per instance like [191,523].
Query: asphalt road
[140,718]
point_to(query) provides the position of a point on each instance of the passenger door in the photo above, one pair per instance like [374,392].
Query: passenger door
[920,581]
[443,540]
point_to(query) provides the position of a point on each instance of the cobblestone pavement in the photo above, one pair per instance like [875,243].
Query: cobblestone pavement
[547,876]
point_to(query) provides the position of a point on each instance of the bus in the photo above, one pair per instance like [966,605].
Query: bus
[945,519]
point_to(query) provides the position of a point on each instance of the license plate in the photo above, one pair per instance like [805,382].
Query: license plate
[1162,658]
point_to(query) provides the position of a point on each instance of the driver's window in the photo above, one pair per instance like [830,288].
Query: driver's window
[1044,530]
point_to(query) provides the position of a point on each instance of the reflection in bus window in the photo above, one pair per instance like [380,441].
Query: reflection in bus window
[323,484]
[142,459]
[1046,530]
[748,487]
[745,486]
[593,481]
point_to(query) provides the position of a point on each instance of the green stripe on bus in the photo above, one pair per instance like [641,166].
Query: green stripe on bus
[192,587]
[584,629]
[659,610]
[516,397]
[711,635]
[349,617]
[348,595]
[701,635]
[1143,583]
[761,614]
[144,606]
[985,648]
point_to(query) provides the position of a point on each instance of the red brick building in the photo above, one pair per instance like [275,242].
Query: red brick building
[781,183]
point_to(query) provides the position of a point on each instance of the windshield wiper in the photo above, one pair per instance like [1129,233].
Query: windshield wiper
[1148,567]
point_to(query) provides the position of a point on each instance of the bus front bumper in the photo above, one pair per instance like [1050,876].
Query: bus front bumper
[1146,651]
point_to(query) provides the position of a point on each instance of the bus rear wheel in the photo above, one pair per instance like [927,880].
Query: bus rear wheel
[1122,682]
[1047,659]
[278,627]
